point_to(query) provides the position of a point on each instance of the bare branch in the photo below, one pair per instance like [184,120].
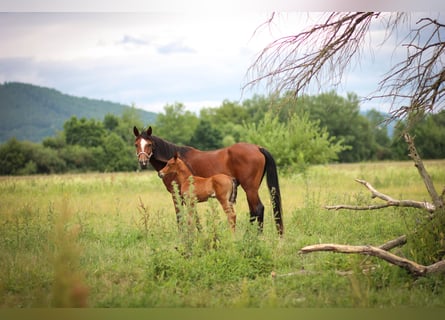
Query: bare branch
[415,85]
[437,200]
[390,202]
[323,52]
[400,241]
[413,267]
[332,45]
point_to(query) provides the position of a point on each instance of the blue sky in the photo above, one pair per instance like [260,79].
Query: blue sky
[154,58]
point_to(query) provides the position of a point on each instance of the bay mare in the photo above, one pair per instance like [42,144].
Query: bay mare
[246,162]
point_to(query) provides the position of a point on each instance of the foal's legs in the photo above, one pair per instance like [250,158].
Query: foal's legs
[230,212]
[227,206]
[181,208]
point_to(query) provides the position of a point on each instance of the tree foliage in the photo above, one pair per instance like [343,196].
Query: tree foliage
[91,145]
[295,143]
[177,124]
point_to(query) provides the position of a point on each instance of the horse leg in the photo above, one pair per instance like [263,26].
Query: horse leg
[230,212]
[256,208]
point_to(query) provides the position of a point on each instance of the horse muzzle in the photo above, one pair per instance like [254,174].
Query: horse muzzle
[161,174]
[143,159]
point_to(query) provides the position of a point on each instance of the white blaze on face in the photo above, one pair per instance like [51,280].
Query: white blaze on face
[143,144]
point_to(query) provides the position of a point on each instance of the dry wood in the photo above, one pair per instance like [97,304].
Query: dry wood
[437,200]
[411,266]
[390,202]
[400,241]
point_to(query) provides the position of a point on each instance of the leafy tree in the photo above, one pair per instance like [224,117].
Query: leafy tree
[295,144]
[176,125]
[17,158]
[57,142]
[341,117]
[83,132]
[110,122]
[46,160]
[226,119]
[381,142]
[118,156]
[429,135]
[206,137]
[13,157]
[83,159]
[130,117]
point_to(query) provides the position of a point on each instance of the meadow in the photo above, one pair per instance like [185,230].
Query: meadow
[111,240]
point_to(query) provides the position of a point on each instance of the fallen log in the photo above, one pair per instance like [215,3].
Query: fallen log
[380,252]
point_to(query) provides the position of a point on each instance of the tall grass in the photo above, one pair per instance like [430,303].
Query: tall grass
[111,240]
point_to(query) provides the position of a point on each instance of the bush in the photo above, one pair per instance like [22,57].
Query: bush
[295,144]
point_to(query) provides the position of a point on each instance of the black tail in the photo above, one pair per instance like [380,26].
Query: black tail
[274,189]
[234,193]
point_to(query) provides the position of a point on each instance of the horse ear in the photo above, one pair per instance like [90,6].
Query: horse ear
[149,131]
[136,131]
[176,155]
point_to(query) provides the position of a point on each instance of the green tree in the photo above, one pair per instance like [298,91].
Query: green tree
[110,122]
[176,125]
[25,157]
[380,148]
[127,121]
[341,117]
[83,132]
[13,157]
[206,137]
[83,159]
[295,144]
[57,142]
[118,156]
[228,120]
[429,136]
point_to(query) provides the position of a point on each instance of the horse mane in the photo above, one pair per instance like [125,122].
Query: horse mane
[164,150]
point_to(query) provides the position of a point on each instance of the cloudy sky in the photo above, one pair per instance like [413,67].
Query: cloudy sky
[155,57]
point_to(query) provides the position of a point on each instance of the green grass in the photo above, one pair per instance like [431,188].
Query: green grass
[111,240]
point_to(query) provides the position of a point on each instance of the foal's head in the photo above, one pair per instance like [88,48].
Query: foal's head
[174,165]
[144,146]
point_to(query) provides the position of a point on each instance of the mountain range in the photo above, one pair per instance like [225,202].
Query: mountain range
[30,112]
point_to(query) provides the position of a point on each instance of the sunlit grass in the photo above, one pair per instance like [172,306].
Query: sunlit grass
[121,230]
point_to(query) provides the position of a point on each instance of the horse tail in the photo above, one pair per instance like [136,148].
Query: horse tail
[270,170]
[234,192]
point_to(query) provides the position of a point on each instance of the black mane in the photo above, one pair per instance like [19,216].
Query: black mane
[164,150]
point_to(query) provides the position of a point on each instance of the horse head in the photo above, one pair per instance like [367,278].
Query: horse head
[171,166]
[144,146]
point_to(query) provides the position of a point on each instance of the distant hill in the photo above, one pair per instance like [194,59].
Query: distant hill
[30,112]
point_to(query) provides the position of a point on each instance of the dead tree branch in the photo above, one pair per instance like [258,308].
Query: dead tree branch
[333,44]
[418,163]
[390,202]
[379,252]
[400,241]
[321,54]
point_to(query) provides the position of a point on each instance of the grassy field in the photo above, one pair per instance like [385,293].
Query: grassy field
[111,240]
